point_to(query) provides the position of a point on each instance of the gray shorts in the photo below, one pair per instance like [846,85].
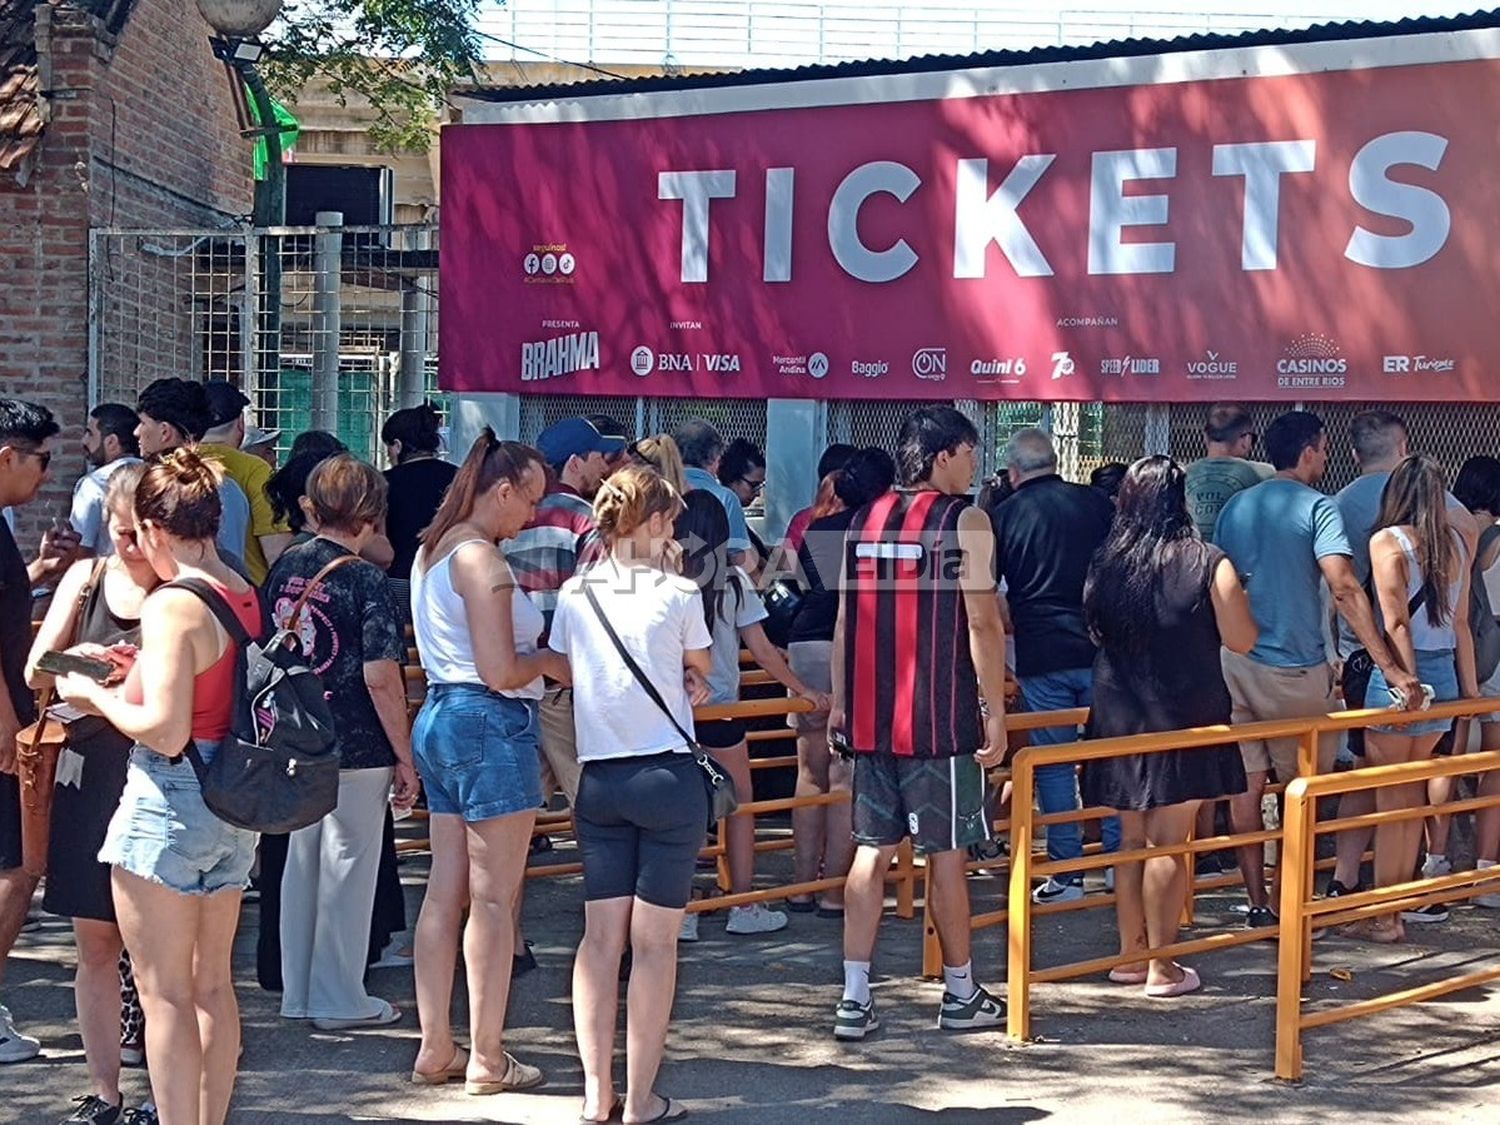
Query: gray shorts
[812,663]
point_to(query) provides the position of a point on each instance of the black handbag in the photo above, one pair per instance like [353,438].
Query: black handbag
[783,601]
[722,802]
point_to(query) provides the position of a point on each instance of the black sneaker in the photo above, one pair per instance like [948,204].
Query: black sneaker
[979,1011]
[145,1115]
[853,1020]
[1208,863]
[95,1111]
[1338,890]
[1260,917]
[1424,915]
[523,962]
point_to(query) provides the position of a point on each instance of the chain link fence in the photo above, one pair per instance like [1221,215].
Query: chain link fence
[323,327]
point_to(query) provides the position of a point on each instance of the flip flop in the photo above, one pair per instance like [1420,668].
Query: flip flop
[1190,982]
[1125,976]
[670,1111]
[454,1071]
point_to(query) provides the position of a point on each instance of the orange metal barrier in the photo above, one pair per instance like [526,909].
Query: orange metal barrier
[1300,911]
[1025,867]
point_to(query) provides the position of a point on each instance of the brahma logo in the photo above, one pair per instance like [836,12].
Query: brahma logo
[643,361]
[1312,353]
[559,356]
[930,363]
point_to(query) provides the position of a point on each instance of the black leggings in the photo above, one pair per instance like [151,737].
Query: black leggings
[640,823]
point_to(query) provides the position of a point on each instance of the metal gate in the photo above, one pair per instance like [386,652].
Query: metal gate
[326,327]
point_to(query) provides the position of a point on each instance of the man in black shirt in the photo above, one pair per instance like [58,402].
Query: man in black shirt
[1046,534]
[26,433]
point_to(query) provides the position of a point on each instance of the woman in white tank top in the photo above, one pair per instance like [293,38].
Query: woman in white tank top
[1420,570]
[475,745]
[1478,487]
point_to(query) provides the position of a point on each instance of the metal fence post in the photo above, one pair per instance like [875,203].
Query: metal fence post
[328,315]
[416,313]
[96,315]
[250,375]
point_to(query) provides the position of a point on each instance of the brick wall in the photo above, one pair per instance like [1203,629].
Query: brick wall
[142,133]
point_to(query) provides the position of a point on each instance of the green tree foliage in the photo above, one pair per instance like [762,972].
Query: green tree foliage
[400,56]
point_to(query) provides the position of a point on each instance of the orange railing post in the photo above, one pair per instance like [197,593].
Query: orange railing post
[1018,922]
[1296,884]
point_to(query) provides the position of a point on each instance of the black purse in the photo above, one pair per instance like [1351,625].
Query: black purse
[722,802]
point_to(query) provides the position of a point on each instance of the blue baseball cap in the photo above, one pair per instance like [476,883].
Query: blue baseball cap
[575,437]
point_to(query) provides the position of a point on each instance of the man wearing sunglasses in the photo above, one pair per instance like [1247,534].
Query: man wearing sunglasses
[1230,436]
[26,433]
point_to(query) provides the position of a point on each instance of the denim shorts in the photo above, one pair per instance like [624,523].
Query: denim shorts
[163,831]
[477,752]
[1435,668]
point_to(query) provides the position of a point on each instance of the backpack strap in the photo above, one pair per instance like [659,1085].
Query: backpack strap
[316,581]
[220,608]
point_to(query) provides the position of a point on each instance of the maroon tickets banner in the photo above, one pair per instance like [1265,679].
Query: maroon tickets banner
[1325,228]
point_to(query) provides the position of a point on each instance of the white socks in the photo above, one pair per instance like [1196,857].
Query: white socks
[857,981]
[960,981]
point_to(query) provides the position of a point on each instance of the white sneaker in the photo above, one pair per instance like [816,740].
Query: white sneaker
[1054,891]
[689,931]
[15,1047]
[754,919]
[1435,865]
[1490,901]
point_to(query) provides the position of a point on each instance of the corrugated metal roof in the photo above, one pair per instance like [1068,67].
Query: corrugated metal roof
[1118,48]
[22,117]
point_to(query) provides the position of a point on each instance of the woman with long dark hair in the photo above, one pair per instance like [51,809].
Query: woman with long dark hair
[1477,487]
[475,744]
[822,834]
[733,612]
[96,610]
[1420,572]
[1159,603]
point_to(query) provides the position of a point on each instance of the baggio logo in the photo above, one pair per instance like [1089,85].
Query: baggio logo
[870,370]
[1405,364]
[643,361]
[561,355]
[1062,365]
[930,363]
[1312,353]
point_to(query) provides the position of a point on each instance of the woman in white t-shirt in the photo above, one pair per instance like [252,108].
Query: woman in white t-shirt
[642,807]
[733,613]
[475,745]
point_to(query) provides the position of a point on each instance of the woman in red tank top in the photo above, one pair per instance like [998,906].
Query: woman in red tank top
[178,870]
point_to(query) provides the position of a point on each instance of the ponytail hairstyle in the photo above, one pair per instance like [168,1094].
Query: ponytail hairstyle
[702,529]
[489,462]
[416,428]
[629,497]
[661,453]
[179,493]
[1416,496]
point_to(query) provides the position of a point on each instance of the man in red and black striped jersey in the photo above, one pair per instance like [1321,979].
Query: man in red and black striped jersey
[919,640]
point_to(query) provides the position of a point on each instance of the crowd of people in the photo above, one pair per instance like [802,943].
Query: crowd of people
[573,601]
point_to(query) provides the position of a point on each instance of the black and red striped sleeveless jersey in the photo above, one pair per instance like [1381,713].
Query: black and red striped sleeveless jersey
[909,683]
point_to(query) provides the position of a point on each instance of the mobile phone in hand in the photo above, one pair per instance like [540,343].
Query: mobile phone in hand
[67,663]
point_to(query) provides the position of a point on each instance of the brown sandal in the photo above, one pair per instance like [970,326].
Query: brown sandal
[518,1076]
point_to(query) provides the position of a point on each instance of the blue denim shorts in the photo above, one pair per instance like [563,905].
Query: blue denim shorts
[477,752]
[1436,668]
[163,831]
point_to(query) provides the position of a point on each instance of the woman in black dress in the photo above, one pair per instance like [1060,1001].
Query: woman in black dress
[1160,602]
[90,779]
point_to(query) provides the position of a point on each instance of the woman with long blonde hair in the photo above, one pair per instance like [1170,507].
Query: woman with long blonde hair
[1420,573]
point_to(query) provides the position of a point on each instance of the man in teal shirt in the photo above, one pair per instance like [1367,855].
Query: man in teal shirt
[1229,436]
[1285,538]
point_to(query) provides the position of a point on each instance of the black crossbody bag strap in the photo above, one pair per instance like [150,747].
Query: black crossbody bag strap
[635,669]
